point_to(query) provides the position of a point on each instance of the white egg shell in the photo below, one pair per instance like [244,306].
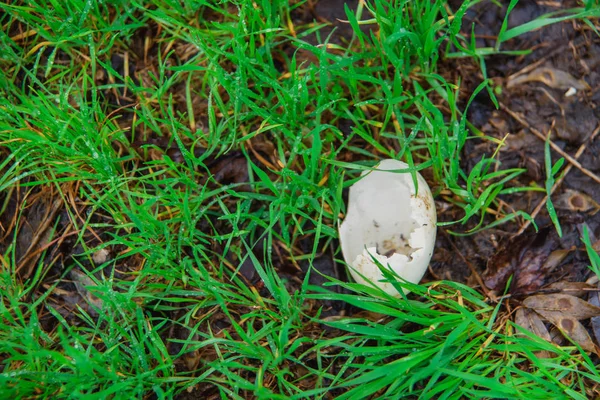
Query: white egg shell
[388,221]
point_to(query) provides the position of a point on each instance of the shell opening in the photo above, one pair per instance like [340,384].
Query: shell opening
[397,243]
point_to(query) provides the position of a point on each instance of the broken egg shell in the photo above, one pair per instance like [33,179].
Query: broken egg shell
[387,221]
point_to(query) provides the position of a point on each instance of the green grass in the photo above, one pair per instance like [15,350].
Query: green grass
[128,157]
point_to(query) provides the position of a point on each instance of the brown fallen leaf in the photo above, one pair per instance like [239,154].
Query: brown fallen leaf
[576,201]
[528,258]
[558,338]
[554,259]
[82,282]
[531,321]
[230,169]
[563,304]
[564,312]
[35,232]
[571,328]
[549,76]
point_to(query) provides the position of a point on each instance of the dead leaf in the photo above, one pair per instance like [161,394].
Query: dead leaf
[82,282]
[563,304]
[530,320]
[564,312]
[571,328]
[101,256]
[230,169]
[576,201]
[554,259]
[35,232]
[549,76]
[525,257]
[557,337]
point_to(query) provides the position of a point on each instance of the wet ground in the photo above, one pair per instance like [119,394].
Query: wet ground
[552,92]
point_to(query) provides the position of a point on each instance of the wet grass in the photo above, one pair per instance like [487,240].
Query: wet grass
[206,149]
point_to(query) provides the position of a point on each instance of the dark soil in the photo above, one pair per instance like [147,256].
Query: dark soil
[570,120]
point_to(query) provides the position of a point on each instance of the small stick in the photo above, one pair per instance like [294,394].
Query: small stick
[559,181]
[540,135]
[542,60]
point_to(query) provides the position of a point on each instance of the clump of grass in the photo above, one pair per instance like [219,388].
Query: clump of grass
[137,115]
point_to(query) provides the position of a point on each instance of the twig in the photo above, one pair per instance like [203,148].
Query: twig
[541,136]
[542,60]
[559,181]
